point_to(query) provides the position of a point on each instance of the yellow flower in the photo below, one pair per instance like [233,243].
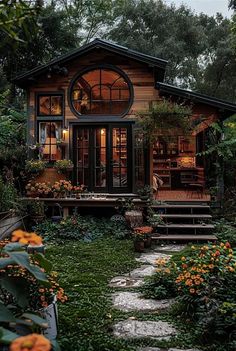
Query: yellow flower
[183,258]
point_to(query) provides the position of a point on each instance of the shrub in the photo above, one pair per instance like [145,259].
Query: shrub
[8,196]
[85,228]
[161,285]
[226,231]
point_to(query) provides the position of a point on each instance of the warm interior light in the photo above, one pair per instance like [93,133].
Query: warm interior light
[102,131]
[65,130]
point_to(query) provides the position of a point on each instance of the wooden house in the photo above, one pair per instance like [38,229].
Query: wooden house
[83,106]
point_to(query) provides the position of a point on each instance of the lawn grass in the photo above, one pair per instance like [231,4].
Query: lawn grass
[85,321]
[84,271]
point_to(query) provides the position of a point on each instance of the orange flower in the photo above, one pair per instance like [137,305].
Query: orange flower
[31,342]
[26,238]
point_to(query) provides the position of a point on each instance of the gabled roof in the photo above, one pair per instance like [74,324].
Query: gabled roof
[228,108]
[97,43]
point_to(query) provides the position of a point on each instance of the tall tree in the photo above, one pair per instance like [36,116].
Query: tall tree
[197,47]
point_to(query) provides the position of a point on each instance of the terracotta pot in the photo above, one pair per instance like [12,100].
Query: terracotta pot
[139,246]
[50,175]
[148,242]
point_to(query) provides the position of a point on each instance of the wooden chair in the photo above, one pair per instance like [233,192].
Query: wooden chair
[197,186]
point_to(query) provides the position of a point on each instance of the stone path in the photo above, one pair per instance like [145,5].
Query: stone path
[148,329]
[131,301]
[128,301]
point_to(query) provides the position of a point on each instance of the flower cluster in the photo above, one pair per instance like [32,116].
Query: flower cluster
[39,189]
[31,342]
[40,295]
[205,263]
[77,189]
[141,233]
[62,185]
[26,238]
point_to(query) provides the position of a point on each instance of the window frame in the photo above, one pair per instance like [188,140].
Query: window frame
[100,67]
[49,118]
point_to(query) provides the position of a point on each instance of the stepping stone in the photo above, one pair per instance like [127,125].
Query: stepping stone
[183,350]
[151,257]
[141,272]
[144,329]
[130,301]
[125,282]
[170,248]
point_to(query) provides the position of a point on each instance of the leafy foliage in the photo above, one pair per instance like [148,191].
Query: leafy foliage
[164,118]
[84,228]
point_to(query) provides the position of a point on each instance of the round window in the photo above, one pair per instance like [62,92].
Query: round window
[100,91]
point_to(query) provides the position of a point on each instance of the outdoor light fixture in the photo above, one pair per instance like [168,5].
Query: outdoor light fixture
[65,130]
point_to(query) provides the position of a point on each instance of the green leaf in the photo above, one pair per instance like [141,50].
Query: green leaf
[6,315]
[55,345]
[6,336]
[4,262]
[43,262]
[22,258]
[16,286]
[13,247]
[36,319]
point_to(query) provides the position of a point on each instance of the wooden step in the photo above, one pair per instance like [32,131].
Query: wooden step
[183,226]
[187,237]
[190,216]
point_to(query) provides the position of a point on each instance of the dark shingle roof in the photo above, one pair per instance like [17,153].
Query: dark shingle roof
[97,43]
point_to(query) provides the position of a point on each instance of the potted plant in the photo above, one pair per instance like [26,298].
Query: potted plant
[144,192]
[133,215]
[35,167]
[36,210]
[63,166]
[139,237]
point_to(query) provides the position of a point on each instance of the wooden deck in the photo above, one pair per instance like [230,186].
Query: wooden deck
[182,195]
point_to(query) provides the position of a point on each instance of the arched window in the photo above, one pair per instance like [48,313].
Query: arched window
[101,91]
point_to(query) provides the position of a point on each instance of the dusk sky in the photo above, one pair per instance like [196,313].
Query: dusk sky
[210,7]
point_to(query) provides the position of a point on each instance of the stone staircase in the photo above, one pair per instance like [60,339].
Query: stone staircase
[184,221]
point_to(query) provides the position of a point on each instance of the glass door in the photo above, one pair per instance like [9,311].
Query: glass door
[103,158]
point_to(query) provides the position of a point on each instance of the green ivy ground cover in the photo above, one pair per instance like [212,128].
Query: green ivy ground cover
[86,319]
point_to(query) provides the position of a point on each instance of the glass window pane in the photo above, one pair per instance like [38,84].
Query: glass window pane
[100,92]
[56,105]
[50,105]
[44,105]
[49,136]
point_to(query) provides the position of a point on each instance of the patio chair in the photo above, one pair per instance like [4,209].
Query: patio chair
[197,187]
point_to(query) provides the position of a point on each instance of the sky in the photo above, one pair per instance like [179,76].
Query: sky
[210,7]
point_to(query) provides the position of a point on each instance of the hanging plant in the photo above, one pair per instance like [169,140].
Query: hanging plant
[164,117]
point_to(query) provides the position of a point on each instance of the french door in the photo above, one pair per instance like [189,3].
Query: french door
[103,157]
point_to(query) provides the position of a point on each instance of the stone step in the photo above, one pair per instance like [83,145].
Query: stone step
[125,282]
[131,301]
[184,237]
[152,256]
[144,329]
